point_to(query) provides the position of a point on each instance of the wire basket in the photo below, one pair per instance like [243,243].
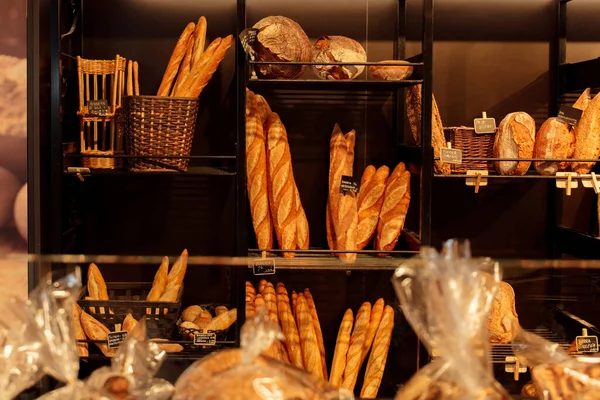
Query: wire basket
[130,298]
[188,334]
[160,126]
[472,145]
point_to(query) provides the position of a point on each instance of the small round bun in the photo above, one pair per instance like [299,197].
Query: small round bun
[391,72]
[191,313]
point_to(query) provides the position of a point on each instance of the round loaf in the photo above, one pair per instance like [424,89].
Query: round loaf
[338,49]
[515,139]
[553,140]
[191,313]
[281,39]
[391,72]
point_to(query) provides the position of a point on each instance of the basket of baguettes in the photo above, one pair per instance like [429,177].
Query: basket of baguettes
[206,318]
[164,125]
[107,305]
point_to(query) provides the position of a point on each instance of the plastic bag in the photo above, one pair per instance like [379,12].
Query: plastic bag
[556,375]
[447,298]
[244,373]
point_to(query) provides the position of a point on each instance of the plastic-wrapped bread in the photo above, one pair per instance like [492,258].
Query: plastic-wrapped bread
[311,357]
[587,139]
[375,320]
[315,318]
[378,357]
[289,328]
[357,341]
[370,201]
[393,211]
[515,139]
[341,349]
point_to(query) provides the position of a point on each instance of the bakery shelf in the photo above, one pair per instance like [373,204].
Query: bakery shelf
[319,84]
[193,170]
[579,76]
[186,354]
[576,243]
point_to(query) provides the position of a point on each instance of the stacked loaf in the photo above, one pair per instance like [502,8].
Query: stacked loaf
[198,318]
[275,202]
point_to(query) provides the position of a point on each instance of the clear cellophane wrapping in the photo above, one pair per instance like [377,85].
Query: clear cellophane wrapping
[556,375]
[244,374]
[447,297]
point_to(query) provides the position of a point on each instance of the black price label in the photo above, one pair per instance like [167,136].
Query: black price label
[587,344]
[484,125]
[263,266]
[569,115]
[348,185]
[205,339]
[116,338]
[98,107]
[248,37]
[450,156]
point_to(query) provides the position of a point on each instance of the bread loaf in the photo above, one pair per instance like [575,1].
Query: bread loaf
[311,356]
[378,358]
[96,287]
[129,324]
[281,39]
[177,273]
[82,348]
[199,40]
[515,139]
[281,184]
[391,72]
[175,60]
[220,310]
[185,67]
[223,321]
[341,349]
[203,319]
[159,284]
[337,163]
[191,313]
[263,108]
[587,140]
[94,330]
[370,201]
[318,332]
[553,140]
[375,320]
[396,200]
[357,341]
[581,104]
[339,49]
[503,318]
[198,81]
[289,328]
[302,229]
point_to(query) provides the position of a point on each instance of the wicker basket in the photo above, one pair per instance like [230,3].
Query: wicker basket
[472,145]
[130,298]
[160,126]
[188,334]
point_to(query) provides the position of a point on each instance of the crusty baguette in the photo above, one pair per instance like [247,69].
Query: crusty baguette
[355,349]
[199,40]
[96,287]
[177,273]
[262,284]
[129,323]
[94,330]
[289,328]
[250,309]
[185,67]
[311,357]
[82,348]
[223,321]
[200,82]
[176,57]
[318,332]
[341,349]
[393,211]
[302,229]
[587,141]
[378,358]
[250,288]
[262,107]
[256,177]
[515,139]
[198,67]
[375,320]
[337,163]
[370,201]
[554,140]
[259,301]
[271,302]
[281,187]
[159,284]
[170,296]
[294,302]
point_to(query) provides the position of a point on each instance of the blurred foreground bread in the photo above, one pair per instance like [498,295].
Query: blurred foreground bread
[94,330]
[82,348]
[357,340]
[529,390]
[370,201]
[554,140]
[393,211]
[378,357]
[341,49]
[515,139]
[587,140]
[341,349]
[576,380]
[391,72]
[503,318]
[191,313]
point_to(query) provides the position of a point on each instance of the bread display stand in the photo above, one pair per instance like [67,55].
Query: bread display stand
[564,180]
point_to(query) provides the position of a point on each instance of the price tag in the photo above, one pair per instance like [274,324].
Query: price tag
[116,338]
[205,339]
[348,185]
[98,107]
[569,115]
[263,266]
[586,344]
[247,38]
[484,125]
[450,156]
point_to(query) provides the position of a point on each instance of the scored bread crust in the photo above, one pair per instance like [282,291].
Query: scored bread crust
[96,285]
[311,356]
[503,318]
[95,330]
[515,139]
[553,140]
[378,357]
[370,201]
[82,348]
[160,281]
[355,349]
[175,60]
[341,349]
[289,328]
[177,273]
[393,211]
[587,141]
[337,160]
[374,321]
[318,332]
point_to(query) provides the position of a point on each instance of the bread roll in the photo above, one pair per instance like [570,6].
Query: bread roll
[391,72]
[587,139]
[203,319]
[370,201]
[553,140]
[311,356]
[20,212]
[82,348]
[177,273]
[220,310]
[341,349]
[357,341]
[378,358]
[515,139]
[503,318]
[281,39]
[191,313]
[396,200]
[340,49]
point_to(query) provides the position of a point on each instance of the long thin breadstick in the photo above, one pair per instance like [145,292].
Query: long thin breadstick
[289,328]
[185,67]
[378,358]
[175,60]
[341,349]
[311,356]
[199,40]
[315,318]
[201,80]
[376,314]
[136,82]
[129,78]
[357,340]
[198,67]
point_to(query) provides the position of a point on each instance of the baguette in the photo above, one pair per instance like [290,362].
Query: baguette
[587,140]
[129,78]
[199,40]
[341,349]
[289,328]
[82,348]
[223,321]
[259,301]
[515,139]
[355,349]
[312,308]
[94,330]
[378,358]
[200,82]
[281,186]
[250,288]
[294,302]
[170,296]
[250,309]
[311,357]
[302,230]
[177,273]
[129,324]
[175,60]
[375,320]
[159,284]
[184,68]
[262,284]
[198,67]
[396,200]
[263,108]
[271,302]
[370,201]
[256,175]
[337,163]
[96,286]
